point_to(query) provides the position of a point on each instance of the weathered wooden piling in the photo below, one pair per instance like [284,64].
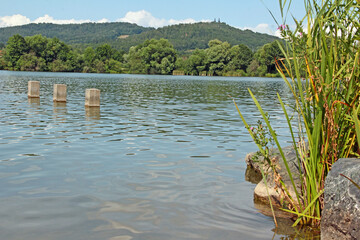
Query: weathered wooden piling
[33,89]
[59,93]
[92,97]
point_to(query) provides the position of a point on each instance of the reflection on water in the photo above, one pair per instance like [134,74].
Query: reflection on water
[252,176]
[162,159]
[92,113]
[34,101]
[59,111]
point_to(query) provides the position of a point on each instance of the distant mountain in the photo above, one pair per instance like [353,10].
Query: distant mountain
[197,35]
[85,33]
[122,35]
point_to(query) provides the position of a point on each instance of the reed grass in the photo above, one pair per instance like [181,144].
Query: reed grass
[321,68]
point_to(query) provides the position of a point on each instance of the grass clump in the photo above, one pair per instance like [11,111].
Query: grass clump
[321,69]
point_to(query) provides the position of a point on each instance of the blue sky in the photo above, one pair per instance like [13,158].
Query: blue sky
[244,14]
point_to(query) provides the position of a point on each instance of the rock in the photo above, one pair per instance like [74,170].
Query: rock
[252,176]
[260,192]
[341,214]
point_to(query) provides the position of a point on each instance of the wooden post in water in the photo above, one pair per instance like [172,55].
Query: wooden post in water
[92,97]
[59,93]
[33,89]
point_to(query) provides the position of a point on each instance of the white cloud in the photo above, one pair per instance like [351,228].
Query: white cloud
[142,18]
[263,28]
[14,20]
[278,33]
[48,19]
[103,20]
[146,19]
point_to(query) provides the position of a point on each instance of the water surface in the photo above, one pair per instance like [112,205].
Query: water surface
[163,158]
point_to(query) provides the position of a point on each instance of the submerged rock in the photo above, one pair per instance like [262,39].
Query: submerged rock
[260,192]
[341,214]
[252,175]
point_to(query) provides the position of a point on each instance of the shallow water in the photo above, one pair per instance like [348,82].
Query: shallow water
[163,158]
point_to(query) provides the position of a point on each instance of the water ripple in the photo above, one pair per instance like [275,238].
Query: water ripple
[162,158]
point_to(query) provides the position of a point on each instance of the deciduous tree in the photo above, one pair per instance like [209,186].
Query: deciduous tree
[240,58]
[37,45]
[195,64]
[103,52]
[217,56]
[15,48]
[152,57]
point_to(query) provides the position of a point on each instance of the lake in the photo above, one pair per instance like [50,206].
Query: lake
[163,158]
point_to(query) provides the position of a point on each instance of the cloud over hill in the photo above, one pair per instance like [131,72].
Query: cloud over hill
[141,18]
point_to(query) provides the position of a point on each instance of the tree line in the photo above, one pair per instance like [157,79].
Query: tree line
[38,53]
[122,36]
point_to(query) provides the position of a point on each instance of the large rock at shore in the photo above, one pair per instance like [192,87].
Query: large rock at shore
[341,213]
[260,192]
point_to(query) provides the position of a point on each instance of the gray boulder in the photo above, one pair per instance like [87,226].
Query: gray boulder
[341,214]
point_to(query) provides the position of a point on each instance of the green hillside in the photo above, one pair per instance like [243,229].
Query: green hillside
[197,35]
[86,33]
[122,36]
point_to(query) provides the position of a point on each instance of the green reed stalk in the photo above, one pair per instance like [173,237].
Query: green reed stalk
[321,68]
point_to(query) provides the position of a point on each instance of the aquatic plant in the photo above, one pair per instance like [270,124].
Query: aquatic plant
[321,69]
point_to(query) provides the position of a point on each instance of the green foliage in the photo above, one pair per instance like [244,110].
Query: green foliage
[99,66]
[152,57]
[187,37]
[37,44]
[235,73]
[326,103]
[89,56]
[15,48]
[86,33]
[231,55]
[240,58]
[38,53]
[217,57]
[263,138]
[267,55]
[55,50]
[180,64]
[113,66]
[330,53]
[103,52]
[134,61]
[195,64]
[118,55]
[57,66]
[73,62]
[221,59]
[29,62]
[122,36]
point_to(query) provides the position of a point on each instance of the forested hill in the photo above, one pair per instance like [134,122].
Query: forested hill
[122,35]
[197,35]
[85,33]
